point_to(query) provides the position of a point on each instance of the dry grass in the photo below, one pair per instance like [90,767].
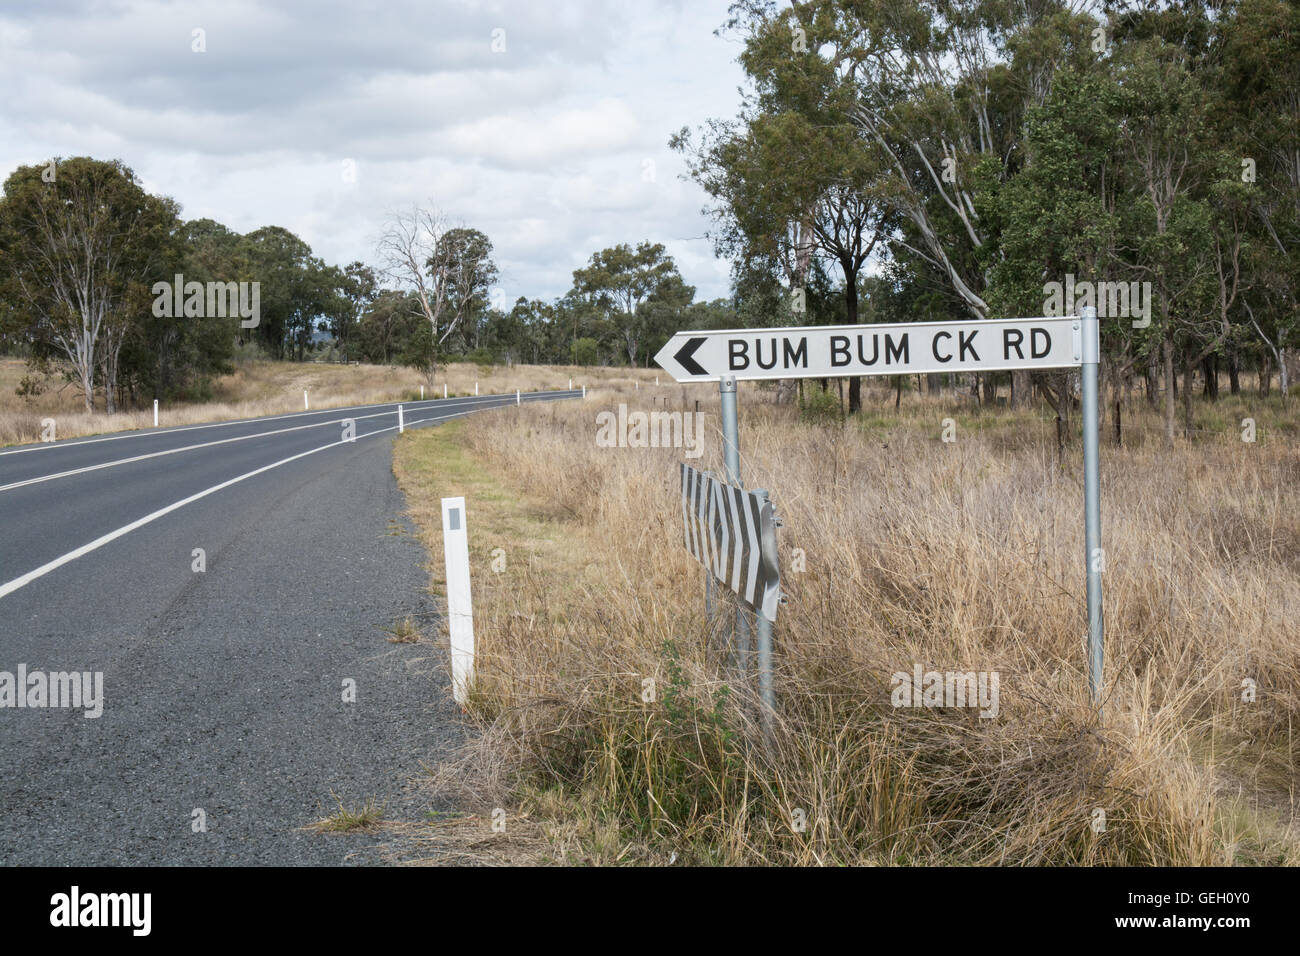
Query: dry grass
[956,556]
[272,388]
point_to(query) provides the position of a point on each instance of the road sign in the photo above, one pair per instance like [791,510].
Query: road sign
[831,351]
[732,532]
[908,348]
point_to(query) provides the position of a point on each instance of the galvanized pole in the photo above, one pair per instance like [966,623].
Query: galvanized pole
[1095,557]
[731,456]
[765,694]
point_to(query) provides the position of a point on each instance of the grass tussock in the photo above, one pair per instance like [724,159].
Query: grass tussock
[365,817]
[608,708]
[405,631]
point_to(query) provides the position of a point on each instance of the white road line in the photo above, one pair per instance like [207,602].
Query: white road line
[75,442]
[12,586]
[176,451]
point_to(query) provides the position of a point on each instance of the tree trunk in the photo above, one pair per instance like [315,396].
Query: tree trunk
[1168,355]
[851,309]
[1210,369]
[1265,375]
[1234,372]
[1188,371]
[1020,388]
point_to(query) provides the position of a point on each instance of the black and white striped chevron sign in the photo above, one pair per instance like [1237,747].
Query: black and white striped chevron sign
[732,532]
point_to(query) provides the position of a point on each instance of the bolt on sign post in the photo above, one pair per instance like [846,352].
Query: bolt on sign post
[912,348]
[460,610]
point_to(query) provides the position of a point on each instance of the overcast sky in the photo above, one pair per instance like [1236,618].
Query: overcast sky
[320,117]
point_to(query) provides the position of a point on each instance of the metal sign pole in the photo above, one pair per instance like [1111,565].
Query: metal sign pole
[731,456]
[1092,498]
[765,694]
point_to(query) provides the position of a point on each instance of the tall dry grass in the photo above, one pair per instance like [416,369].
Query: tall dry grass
[271,388]
[962,556]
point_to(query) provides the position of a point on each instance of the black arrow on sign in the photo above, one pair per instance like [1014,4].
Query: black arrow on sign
[683,357]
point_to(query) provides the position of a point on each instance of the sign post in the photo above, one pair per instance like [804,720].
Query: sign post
[1096,557]
[909,348]
[731,457]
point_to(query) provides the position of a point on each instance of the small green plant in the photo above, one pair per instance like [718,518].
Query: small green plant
[404,631]
[368,815]
[821,407]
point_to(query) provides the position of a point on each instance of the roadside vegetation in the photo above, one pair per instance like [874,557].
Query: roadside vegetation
[962,555]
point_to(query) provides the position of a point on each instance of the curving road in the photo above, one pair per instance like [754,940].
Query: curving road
[222,689]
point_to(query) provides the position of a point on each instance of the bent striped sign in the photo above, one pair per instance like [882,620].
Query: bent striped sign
[732,532]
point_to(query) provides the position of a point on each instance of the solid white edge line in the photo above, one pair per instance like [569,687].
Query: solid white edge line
[22,581]
[175,451]
[74,442]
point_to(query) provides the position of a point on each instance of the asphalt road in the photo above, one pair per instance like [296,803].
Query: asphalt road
[223,690]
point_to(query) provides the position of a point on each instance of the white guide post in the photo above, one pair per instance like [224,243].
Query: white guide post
[460,612]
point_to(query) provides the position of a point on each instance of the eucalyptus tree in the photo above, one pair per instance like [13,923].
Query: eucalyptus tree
[619,279]
[80,243]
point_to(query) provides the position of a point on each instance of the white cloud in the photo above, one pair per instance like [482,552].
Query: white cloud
[544,147]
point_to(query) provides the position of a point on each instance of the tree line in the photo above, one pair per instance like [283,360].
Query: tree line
[107,284]
[943,159]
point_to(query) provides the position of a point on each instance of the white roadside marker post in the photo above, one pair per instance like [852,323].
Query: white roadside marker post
[155,413]
[444,389]
[476,388]
[306,406]
[570,384]
[516,396]
[460,610]
[401,424]
[421,393]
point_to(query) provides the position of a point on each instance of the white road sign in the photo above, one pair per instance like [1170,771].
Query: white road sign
[829,351]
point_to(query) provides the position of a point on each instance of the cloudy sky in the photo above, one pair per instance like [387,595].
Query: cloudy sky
[544,124]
